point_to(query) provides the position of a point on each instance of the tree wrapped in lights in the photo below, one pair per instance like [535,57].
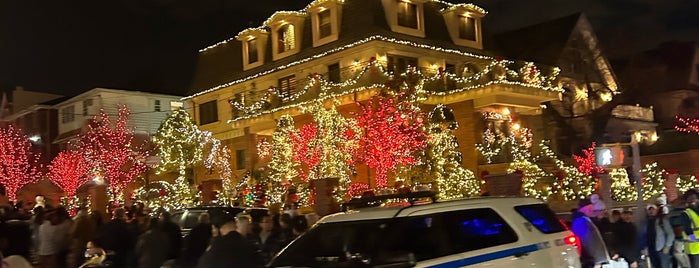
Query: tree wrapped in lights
[69,170]
[179,145]
[327,147]
[587,164]
[443,160]
[218,160]
[18,162]
[109,149]
[652,181]
[282,167]
[622,189]
[392,133]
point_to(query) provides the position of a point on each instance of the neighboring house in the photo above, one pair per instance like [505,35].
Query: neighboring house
[148,110]
[667,79]
[246,83]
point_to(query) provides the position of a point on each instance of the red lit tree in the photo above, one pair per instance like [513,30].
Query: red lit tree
[306,149]
[109,149]
[69,171]
[18,163]
[587,164]
[392,133]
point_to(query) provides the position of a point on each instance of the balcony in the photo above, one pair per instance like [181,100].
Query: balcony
[499,83]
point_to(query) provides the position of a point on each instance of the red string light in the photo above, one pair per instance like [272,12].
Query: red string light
[687,125]
[587,164]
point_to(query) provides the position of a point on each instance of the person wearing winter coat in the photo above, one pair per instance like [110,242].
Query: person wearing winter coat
[150,249]
[594,251]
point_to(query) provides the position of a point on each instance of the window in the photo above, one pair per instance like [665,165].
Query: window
[208,112]
[334,73]
[156,106]
[86,106]
[285,38]
[541,217]
[68,114]
[407,14]
[240,159]
[399,64]
[324,23]
[252,51]
[475,229]
[287,86]
[467,28]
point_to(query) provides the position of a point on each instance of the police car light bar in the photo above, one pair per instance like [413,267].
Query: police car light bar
[375,200]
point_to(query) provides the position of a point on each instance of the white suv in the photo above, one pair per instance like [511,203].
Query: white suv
[481,232]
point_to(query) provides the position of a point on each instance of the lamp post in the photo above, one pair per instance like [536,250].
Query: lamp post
[647,137]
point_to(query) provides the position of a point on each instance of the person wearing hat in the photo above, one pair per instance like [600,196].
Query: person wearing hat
[593,250]
[232,249]
[660,236]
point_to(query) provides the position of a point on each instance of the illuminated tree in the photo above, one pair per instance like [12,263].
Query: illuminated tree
[69,170]
[392,134]
[325,148]
[179,145]
[18,162]
[218,159]
[587,164]
[109,149]
[282,167]
[443,159]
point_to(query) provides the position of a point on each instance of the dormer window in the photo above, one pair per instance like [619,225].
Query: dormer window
[286,40]
[405,16]
[254,41]
[253,53]
[467,28]
[325,19]
[464,24]
[287,30]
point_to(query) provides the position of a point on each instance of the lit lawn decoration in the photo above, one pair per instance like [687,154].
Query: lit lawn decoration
[18,162]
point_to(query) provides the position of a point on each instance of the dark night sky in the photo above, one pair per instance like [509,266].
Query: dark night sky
[67,47]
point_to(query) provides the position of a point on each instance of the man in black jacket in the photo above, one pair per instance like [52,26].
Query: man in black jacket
[116,236]
[173,233]
[232,249]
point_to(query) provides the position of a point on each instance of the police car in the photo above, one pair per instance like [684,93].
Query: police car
[481,232]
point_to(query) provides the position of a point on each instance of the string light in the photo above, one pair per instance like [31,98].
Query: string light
[18,162]
[282,167]
[687,125]
[587,164]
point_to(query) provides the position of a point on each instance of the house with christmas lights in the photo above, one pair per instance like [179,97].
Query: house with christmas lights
[506,91]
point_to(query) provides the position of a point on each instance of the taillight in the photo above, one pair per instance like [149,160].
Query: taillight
[573,240]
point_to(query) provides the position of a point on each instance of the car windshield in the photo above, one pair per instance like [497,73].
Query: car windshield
[382,241]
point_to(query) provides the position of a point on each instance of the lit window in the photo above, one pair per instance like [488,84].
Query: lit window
[467,28]
[285,38]
[407,14]
[287,86]
[324,23]
[252,51]
[208,112]
[156,106]
[68,114]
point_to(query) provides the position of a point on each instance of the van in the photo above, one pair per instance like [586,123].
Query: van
[479,232]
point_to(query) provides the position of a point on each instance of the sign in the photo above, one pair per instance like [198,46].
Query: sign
[613,156]
[153,161]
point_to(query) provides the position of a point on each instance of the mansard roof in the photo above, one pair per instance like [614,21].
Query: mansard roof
[361,19]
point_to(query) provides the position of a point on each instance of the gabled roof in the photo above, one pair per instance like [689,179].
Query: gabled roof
[361,19]
[542,43]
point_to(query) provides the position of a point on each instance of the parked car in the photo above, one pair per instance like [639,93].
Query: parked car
[189,217]
[481,232]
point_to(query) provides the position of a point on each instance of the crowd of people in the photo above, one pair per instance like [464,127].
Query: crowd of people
[132,237]
[666,234]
